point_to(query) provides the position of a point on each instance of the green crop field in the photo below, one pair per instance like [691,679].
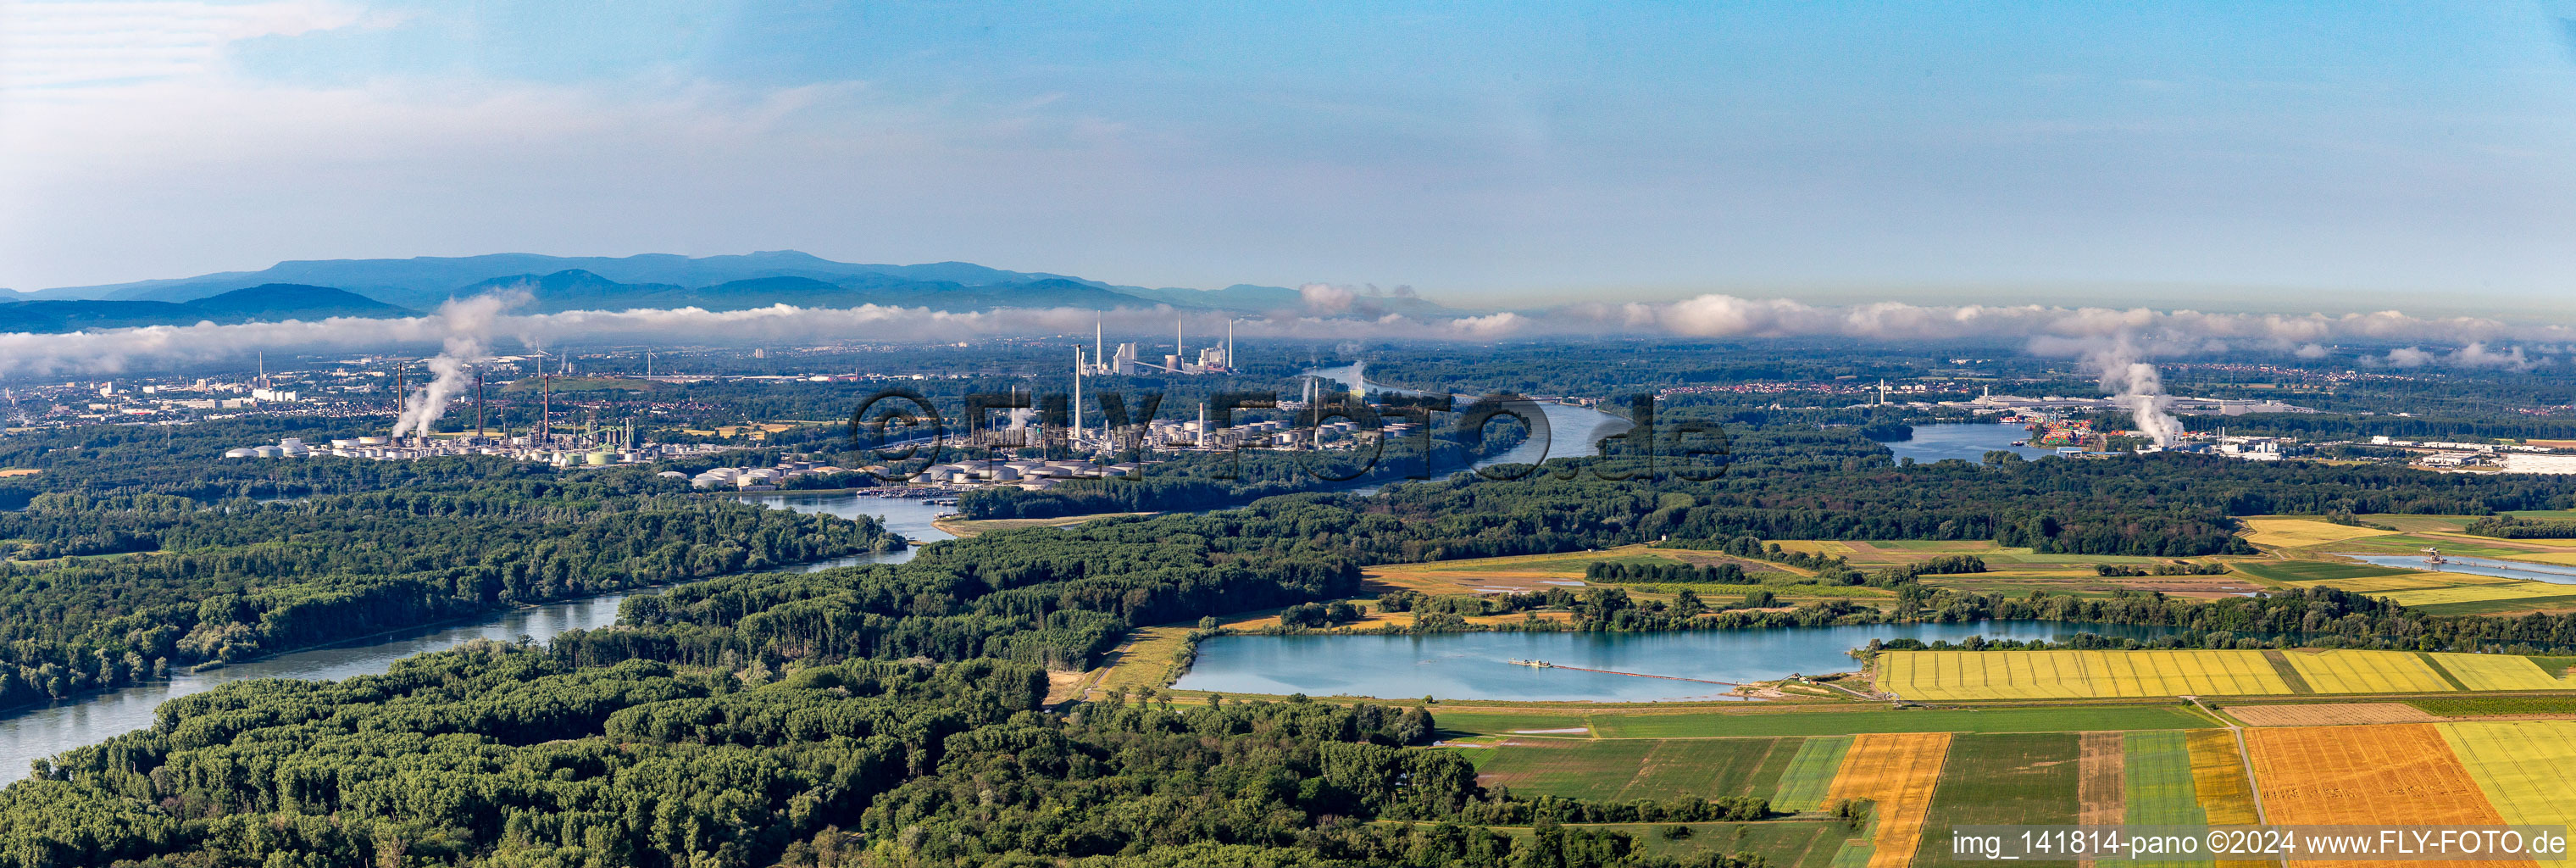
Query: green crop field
[1626,769]
[1463,723]
[2002,779]
[1810,773]
[2156,784]
[2490,607]
[2075,719]
[2313,571]
[1572,769]
[2408,544]
[1789,844]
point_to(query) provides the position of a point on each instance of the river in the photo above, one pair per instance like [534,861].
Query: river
[2555,573]
[1967,440]
[1572,431]
[37,732]
[1476,665]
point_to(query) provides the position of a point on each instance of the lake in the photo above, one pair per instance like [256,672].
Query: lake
[1965,440]
[35,732]
[1475,665]
[2476,566]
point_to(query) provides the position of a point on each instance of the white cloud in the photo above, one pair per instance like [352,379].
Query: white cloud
[55,49]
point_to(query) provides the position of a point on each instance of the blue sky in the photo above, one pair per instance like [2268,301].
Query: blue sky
[2303,155]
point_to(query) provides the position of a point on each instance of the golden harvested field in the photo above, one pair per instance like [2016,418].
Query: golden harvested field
[2518,590]
[2501,672]
[1898,771]
[2330,714]
[2345,671]
[2302,532]
[2522,767]
[1953,675]
[2406,582]
[2560,558]
[2218,778]
[1516,573]
[2403,773]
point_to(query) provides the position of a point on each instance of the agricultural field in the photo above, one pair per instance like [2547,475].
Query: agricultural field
[2218,777]
[1898,772]
[2299,532]
[2504,672]
[2496,706]
[1576,768]
[2347,671]
[1810,773]
[2307,572]
[2476,593]
[1467,723]
[2329,714]
[2436,592]
[2061,674]
[2343,774]
[1625,769]
[2414,544]
[2066,719]
[2003,779]
[2521,766]
[1783,844]
[1958,675]
[2156,785]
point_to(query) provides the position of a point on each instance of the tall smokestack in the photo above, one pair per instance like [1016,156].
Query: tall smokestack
[1229,346]
[398,399]
[545,407]
[1178,351]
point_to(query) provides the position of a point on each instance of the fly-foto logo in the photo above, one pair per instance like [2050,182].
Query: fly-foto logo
[1342,440]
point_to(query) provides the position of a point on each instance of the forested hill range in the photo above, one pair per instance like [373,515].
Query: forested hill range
[557,283]
[265,302]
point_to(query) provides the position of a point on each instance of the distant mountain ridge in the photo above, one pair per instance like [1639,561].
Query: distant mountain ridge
[576,289]
[264,303]
[729,282]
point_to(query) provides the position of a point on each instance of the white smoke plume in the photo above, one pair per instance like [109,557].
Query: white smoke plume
[2137,386]
[468,323]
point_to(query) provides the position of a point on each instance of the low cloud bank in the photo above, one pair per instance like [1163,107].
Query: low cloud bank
[2111,340]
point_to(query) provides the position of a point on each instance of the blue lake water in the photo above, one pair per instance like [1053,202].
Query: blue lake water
[1476,665]
[2476,566]
[1967,441]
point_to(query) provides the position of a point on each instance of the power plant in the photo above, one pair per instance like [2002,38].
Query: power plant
[1128,361]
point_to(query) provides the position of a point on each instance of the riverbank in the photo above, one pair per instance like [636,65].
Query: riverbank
[39,730]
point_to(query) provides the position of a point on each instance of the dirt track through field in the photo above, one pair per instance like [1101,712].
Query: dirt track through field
[2101,781]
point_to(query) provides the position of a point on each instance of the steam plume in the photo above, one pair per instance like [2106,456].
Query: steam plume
[468,324]
[2137,386]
